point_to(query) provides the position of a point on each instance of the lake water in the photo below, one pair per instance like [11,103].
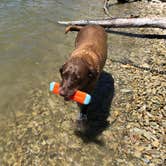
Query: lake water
[32,47]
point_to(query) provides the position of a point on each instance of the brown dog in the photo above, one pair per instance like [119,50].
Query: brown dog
[83,68]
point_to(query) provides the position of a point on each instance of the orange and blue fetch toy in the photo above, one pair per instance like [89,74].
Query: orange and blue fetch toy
[78,96]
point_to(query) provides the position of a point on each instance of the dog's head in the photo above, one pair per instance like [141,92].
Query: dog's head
[75,74]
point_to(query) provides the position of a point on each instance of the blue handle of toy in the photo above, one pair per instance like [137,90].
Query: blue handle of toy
[52,86]
[87,99]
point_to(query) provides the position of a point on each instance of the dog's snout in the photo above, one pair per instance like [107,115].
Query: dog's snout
[65,92]
[62,92]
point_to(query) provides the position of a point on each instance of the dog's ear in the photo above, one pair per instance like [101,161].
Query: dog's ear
[93,73]
[62,68]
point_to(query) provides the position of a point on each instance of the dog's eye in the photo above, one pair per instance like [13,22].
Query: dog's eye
[90,75]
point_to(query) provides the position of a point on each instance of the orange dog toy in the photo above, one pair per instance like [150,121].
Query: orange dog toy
[79,96]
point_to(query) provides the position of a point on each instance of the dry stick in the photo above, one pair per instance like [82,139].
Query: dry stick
[105,7]
[121,22]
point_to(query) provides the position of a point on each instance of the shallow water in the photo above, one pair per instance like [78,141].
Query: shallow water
[33,47]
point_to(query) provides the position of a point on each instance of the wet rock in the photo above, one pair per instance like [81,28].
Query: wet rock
[156,143]
[137,154]
[126,91]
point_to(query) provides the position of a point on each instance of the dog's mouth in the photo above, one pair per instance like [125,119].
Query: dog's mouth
[67,95]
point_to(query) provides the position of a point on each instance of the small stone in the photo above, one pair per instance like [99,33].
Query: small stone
[137,154]
[126,90]
[148,135]
[43,142]
[156,143]
[147,161]
[34,113]
[116,113]
[139,148]
[130,164]
[151,164]
[148,157]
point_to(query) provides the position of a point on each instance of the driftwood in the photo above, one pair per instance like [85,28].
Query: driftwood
[105,8]
[121,22]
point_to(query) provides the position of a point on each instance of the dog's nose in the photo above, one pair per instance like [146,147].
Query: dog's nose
[62,92]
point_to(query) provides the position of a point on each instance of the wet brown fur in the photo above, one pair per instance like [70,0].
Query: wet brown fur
[91,48]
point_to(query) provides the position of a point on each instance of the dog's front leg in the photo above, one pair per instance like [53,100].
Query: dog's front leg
[83,112]
[82,120]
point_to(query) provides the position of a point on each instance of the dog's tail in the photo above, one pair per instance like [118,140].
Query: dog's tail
[73,28]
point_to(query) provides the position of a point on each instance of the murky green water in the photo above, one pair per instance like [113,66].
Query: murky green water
[36,127]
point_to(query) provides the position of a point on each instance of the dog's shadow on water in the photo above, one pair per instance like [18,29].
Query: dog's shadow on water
[99,109]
